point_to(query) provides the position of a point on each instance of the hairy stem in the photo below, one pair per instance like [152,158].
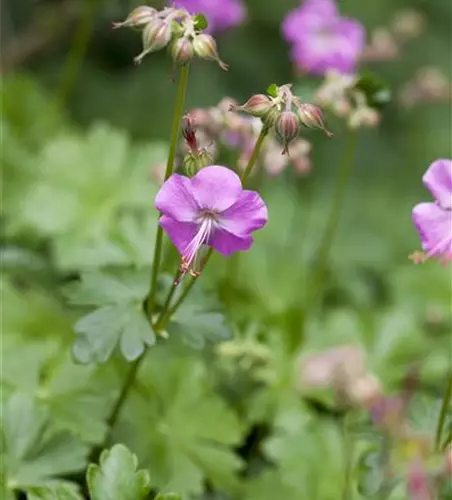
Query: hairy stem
[332,224]
[76,53]
[445,406]
[178,113]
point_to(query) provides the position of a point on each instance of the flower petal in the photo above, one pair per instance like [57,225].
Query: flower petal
[435,228]
[246,215]
[216,188]
[180,233]
[175,199]
[227,243]
[438,180]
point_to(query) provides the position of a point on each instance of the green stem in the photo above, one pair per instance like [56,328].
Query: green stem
[348,453]
[76,53]
[178,113]
[443,412]
[334,217]
[255,154]
[114,414]
[166,313]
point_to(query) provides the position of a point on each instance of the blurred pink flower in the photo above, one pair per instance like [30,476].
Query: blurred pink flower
[221,14]
[433,220]
[321,39]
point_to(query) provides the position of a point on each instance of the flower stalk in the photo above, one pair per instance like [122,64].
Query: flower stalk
[178,114]
[334,216]
[445,406]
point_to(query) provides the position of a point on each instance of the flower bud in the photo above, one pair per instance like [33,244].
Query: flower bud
[205,47]
[311,117]
[140,16]
[257,105]
[156,36]
[182,50]
[269,119]
[189,133]
[189,164]
[287,127]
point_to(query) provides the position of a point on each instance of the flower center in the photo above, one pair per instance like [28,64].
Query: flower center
[208,222]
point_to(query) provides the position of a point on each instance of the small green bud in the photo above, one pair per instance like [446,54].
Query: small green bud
[189,165]
[205,47]
[140,16]
[271,116]
[182,50]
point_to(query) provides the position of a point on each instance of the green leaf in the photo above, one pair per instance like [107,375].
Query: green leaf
[198,322]
[200,22]
[272,90]
[57,492]
[194,432]
[117,478]
[34,452]
[168,496]
[315,470]
[82,185]
[115,287]
[376,90]
[100,331]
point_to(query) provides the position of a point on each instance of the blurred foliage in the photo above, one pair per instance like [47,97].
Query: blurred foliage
[214,414]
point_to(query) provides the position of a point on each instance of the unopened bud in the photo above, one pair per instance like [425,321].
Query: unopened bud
[182,50]
[156,36]
[287,127]
[189,165]
[204,158]
[205,47]
[189,133]
[257,105]
[140,16]
[271,116]
[311,117]
[364,391]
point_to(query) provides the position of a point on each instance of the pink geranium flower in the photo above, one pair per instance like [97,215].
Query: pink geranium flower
[434,220]
[210,209]
[322,39]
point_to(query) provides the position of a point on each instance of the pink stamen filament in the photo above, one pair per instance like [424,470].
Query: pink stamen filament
[201,238]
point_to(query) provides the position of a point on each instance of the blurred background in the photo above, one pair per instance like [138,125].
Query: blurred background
[83,131]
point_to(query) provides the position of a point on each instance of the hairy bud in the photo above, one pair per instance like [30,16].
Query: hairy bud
[205,47]
[287,127]
[141,16]
[182,50]
[311,117]
[257,105]
[156,36]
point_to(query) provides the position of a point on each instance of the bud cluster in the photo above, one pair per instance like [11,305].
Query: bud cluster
[342,369]
[387,43]
[338,94]
[212,131]
[284,113]
[174,28]
[429,85]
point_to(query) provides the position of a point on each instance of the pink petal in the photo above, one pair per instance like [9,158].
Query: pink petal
[227,243]
[176,200]
[180,233]
[435,228]
[216,188]
[438,180]
[246,215]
